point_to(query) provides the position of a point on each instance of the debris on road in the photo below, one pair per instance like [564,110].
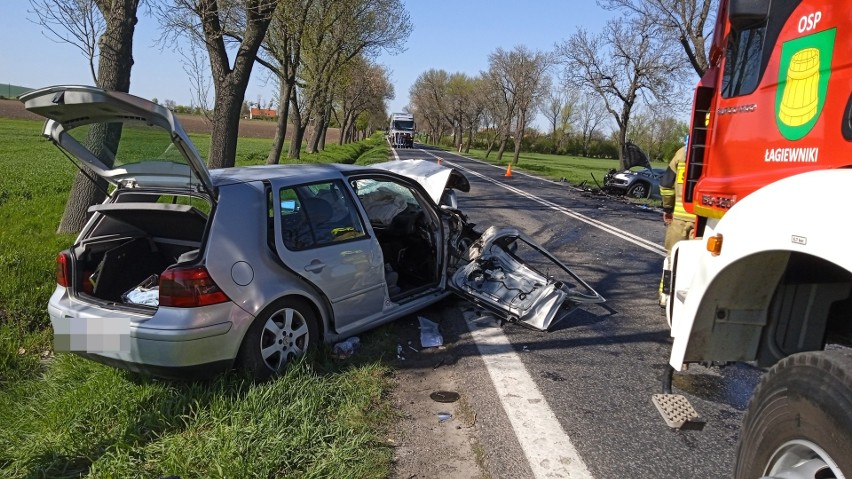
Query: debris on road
[345,348]
[430,337]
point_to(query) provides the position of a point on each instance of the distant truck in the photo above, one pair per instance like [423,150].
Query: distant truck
[401,130]
[769,172]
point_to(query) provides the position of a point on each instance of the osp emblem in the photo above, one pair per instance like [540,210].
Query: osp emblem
[802,83]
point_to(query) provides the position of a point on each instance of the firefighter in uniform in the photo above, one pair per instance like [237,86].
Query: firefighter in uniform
[680,224]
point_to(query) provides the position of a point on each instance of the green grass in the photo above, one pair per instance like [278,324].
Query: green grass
[576,170]
[85,418]
[67,416]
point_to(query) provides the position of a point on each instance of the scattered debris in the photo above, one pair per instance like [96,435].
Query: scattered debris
[430,337]
[399,353]
[445,396]
[444,416]
[346,348]
[526,349]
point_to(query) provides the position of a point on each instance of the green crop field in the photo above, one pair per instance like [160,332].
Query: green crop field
[64,416]
[12,91]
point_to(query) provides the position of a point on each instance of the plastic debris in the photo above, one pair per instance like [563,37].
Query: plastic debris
[140,295]
[444,416]
[399,353]
[346,348]
[430,337]
[147,292]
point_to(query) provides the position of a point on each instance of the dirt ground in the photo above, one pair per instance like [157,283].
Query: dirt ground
[191,123]
[425,445]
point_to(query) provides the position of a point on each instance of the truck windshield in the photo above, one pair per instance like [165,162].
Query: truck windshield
[403,125]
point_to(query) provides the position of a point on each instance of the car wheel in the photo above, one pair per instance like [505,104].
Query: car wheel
[798,423]
[639,190]
[284,331]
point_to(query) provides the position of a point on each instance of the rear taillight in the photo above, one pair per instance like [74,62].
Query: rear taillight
[189,288]
[63,269]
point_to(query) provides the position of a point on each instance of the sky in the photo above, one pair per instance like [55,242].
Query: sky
[455,36]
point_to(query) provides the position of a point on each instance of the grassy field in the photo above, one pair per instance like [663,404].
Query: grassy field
[64,416]
[574,169]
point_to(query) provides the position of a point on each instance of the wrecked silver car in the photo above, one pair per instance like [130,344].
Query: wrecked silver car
[188,271]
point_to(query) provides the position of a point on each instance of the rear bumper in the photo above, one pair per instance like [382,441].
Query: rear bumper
[173,342]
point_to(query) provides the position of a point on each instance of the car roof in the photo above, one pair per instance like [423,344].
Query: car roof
[306,172]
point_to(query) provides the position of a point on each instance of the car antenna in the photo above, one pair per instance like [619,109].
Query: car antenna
[87,175]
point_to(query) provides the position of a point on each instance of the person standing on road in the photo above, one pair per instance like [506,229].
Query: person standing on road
[680,224]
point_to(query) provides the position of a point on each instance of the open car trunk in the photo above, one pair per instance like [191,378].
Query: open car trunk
[511,275]
[120,257]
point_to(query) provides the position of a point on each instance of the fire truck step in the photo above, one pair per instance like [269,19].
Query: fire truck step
[678,412]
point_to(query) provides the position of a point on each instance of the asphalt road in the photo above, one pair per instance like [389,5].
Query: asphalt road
[597,369]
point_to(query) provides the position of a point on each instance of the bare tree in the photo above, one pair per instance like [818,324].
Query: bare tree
[214,22]
[428,96]
[688,22]
[343,30]
[521,73]
[590,113]
[619,65]
[657,132]
[76,22]
[101,29]
[195,67]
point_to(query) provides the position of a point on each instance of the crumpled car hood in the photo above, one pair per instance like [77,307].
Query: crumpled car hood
[434,177]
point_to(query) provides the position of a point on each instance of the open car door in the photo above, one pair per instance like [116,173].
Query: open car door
[518,280]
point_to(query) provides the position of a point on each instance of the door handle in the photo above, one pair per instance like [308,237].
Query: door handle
[315,266]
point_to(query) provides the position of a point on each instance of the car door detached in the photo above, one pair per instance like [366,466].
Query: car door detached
[518,280]
[320,236]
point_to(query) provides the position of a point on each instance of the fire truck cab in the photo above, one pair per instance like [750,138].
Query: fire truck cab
[769,280]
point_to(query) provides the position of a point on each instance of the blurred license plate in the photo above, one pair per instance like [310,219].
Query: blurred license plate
[92,335]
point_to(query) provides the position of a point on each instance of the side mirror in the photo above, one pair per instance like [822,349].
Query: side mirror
[744,14]
[449,200]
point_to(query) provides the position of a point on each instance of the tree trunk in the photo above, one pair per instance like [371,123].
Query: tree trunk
[469,140]
[313,146]
[519,136]
[298,129]
[230,83]
[226,124]
[284,92]
[501,149]
[114,65]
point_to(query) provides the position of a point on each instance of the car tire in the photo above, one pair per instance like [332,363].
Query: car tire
[639,190]
[285,330]
[798,422]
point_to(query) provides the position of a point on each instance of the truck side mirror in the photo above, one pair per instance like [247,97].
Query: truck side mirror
[744,14]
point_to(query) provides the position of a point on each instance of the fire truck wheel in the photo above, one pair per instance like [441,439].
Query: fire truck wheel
[798,422]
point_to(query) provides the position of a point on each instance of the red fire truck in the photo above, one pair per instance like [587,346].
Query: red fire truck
[769,281]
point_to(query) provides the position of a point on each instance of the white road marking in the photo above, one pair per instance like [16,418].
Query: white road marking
[395,154]
[637,240]
[548,449]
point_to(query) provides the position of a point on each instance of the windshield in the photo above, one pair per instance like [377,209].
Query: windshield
[403,125]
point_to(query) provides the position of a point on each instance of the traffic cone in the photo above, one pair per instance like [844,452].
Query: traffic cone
[508,170]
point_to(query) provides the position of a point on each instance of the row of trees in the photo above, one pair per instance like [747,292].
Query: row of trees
[632,74]
[321,53]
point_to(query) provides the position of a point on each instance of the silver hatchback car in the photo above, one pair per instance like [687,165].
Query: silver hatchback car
[189,271]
